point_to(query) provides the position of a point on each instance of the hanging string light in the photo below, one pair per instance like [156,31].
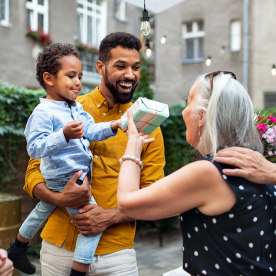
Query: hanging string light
[148,50]
[273,70]
[208,61]
[145,25]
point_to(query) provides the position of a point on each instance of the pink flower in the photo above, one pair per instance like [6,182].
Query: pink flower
[261,127]
[272,119]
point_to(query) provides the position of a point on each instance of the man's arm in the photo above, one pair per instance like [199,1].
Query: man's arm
[251,165]
[73,195]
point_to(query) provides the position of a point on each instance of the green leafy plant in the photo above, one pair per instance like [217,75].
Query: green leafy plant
[40,36]
[87,48]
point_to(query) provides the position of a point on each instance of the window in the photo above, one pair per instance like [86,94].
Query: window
[91,22]
[5,13]
[235,36]
[120,9]
[37,13]
[270,99]
[193,38]
[91,30]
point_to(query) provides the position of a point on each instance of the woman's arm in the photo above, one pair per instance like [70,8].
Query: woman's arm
[250,164]
[183,190]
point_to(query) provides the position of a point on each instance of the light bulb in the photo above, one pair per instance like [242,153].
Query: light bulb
[145,25]
[163,39]
[273,70]
[148,52]
[208,61]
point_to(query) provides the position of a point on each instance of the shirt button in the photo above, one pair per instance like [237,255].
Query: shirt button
[104,102]
[104,114]
[98,105]
[120,111]
[96,156]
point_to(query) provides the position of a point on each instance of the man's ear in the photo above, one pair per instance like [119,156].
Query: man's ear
[48,79]
[100,66]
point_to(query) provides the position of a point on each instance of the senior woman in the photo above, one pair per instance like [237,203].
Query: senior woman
[228,223]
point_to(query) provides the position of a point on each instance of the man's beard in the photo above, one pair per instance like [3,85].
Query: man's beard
[119,97]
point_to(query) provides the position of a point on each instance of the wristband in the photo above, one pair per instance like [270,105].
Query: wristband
[132,158]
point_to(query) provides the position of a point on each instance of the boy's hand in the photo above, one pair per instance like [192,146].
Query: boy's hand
[73,130]
[116,124]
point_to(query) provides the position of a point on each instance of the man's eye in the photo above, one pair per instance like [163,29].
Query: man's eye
[137,68]
[120,67]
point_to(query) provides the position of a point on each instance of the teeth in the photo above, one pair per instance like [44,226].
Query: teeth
[127,85]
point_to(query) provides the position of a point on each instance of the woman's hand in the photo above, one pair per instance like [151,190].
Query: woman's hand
[135,140]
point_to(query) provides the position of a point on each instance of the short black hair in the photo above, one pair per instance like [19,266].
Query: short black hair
[48,59]
[125,40]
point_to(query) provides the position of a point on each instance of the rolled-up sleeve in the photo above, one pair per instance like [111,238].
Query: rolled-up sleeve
[33,176]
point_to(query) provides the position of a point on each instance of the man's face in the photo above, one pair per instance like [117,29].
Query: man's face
[122,73]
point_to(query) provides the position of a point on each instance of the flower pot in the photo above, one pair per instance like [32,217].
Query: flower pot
[10,219]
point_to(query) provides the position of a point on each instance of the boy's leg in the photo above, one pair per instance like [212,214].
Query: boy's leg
[85,247]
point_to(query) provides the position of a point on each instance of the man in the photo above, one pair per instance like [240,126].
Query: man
[119,66]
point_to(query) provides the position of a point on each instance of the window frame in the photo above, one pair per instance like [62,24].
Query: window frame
[235,37]
[35,10]
[6,20]
[195,35]
[120,11]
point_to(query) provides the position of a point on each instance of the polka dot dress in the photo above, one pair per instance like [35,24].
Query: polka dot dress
[239,242]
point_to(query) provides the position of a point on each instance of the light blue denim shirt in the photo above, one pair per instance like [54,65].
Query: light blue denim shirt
[45,138]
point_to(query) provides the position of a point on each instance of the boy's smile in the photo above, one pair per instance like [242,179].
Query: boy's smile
[66,84]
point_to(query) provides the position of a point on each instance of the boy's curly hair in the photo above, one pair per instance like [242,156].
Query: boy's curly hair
[125,40]
[48,60]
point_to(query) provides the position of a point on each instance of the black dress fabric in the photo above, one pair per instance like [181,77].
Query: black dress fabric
[239,242]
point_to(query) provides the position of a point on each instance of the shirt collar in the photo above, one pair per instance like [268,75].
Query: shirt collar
[60,103]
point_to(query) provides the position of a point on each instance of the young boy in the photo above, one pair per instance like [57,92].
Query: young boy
[59,131]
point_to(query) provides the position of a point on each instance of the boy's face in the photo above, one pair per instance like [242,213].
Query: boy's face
[67,82]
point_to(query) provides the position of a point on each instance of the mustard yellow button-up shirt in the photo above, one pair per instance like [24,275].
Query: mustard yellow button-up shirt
[106,154]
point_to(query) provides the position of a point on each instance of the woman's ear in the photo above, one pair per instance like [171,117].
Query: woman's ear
[201,118]
[100,66]
[48,79]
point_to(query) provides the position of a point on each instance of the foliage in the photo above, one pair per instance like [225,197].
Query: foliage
[40,36]
[143,89]
[87,48]
[266,127]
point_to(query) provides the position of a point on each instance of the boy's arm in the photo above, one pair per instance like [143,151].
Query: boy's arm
[41,139]
[73,194]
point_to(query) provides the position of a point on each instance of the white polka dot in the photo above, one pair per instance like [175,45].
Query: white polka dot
[261,195]
[254,195]
[274,232]
[183,248]
[196,253]
[205,226]
[262,233]
[214,220]
[265,207]
[204,272]
[231,216]
[249,207]
[251,245]
[258,259]
[217,266]
[186,265]
[271,269]
[241,187]
[252,267]
[225,238]
[238,255]
[224,176]
[189,235]
[242,198]
[255,219]
[266,246]
[270,221]
[270,256]
[239,230]
[228,260]
[181,218]
[196,229]
[206,248]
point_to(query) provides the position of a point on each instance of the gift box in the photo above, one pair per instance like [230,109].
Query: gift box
[147,115]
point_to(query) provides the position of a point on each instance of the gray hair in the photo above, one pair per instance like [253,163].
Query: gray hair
[229,115]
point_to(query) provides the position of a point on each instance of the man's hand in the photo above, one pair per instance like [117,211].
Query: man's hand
[73,130]
[73,195]
[251,165]
[6,265]
[93,219]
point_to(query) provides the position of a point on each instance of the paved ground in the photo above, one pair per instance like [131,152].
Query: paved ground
[152,259]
